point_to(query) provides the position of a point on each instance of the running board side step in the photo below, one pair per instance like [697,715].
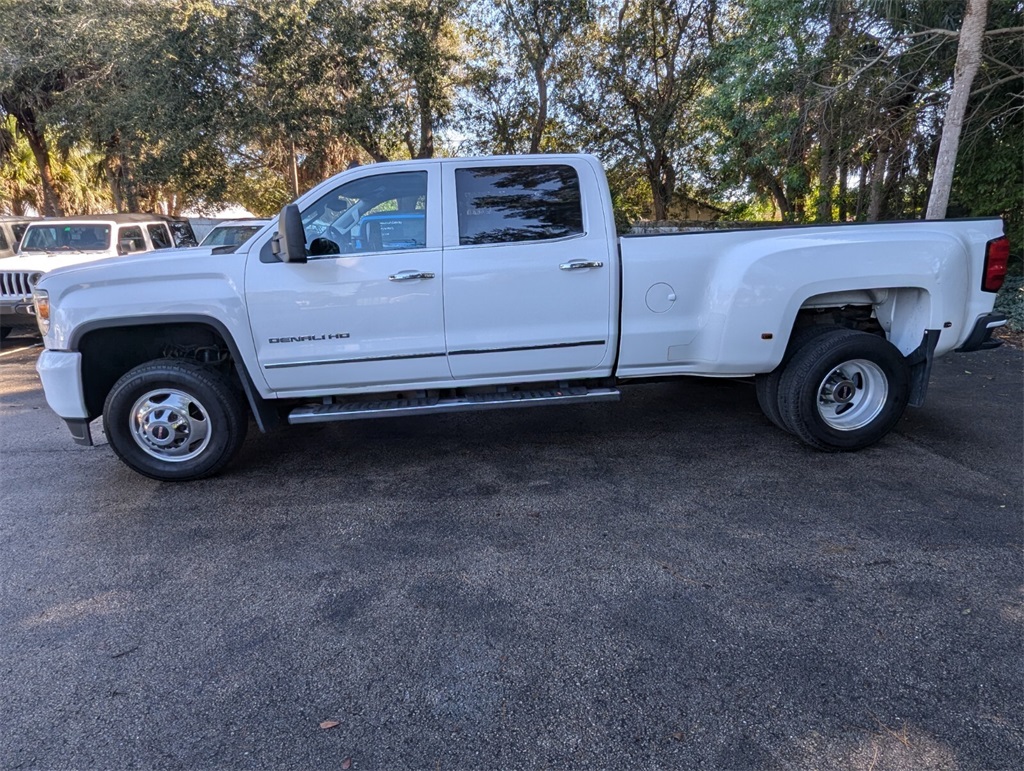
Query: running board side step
[387,408]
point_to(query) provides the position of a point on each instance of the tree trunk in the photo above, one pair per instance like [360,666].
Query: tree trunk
[293,172]
[968,60]
[541,120]
[662,178]
[426,126]
[878,185]
[779,194]
[131,194]
[861,187]
[37,141]
[826,173]
[115,187]
[844,171]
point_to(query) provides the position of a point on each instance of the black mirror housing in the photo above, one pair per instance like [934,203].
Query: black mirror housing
[290,242]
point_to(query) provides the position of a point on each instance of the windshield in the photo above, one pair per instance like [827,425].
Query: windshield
[230,235]
[66,238]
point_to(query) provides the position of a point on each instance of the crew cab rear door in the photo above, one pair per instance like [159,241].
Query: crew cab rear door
[366,310]
[528,270]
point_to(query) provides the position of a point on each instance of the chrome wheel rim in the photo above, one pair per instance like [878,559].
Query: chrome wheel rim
[852,395]
[170,425]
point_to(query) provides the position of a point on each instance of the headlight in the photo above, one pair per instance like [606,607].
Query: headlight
[41,303]
[33,279]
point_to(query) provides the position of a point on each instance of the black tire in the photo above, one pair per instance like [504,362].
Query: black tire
[4,331]
[175,420]
[767,386]
[844,390]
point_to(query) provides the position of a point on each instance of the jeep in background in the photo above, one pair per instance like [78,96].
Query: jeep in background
[181,230]
[58,242]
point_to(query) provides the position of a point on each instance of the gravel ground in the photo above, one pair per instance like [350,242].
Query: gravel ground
[668,582]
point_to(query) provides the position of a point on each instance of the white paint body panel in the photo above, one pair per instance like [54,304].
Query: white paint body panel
[376,330]
[61,375]
[734,287]
[511,311]
[717,304]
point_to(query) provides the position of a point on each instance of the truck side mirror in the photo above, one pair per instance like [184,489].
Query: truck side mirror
[290,242]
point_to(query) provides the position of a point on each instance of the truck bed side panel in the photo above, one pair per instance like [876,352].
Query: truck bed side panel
[724,303]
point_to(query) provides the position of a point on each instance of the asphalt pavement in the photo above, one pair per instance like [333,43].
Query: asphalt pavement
[667,582]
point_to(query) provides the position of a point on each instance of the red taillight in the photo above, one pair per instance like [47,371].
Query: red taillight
[997,255]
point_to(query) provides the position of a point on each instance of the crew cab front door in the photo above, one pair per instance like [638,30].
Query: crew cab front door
[366,310]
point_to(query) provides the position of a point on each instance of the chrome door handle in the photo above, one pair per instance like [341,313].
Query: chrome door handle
[580,264]
[409,275]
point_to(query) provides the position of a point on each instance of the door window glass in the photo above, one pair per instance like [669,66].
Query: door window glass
[3,240]
[159,236]
[372,214]
[517,203]
[131,240]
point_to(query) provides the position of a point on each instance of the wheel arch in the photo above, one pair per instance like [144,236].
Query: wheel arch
[111,347]
[900,314]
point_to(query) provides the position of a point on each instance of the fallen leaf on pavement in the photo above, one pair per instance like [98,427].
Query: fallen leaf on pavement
[346,764]
[329,724]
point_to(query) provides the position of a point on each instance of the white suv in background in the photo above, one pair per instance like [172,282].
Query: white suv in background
[234,232]
[57,242]
[11,231]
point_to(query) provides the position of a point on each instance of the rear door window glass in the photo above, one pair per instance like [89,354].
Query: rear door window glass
[160,237]
[131,239]
[518,203]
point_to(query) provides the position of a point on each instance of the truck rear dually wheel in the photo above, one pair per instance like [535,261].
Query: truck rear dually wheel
[767,386]
[844,390]
[174,420]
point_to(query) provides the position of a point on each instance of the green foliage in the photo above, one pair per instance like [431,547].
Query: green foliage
[1010,301]
[806,110]
[76,173]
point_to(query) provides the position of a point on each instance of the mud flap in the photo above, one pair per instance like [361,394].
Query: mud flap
[920,361]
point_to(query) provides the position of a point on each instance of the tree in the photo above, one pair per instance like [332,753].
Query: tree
[649,63]
[968,60]
[35,69]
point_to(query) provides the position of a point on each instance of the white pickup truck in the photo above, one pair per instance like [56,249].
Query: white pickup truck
[463,284]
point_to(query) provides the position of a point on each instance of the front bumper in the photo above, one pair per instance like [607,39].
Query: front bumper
[18,313]
[61,374]
[980,338]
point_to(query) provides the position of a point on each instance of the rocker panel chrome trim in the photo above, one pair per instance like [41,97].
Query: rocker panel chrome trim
[332,412]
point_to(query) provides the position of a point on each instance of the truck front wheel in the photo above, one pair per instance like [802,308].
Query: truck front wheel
[174,420]
[844,390]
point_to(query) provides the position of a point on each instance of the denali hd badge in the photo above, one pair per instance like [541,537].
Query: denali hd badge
[306,338]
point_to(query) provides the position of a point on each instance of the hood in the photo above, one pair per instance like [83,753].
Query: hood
[142,265]
[42,262]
